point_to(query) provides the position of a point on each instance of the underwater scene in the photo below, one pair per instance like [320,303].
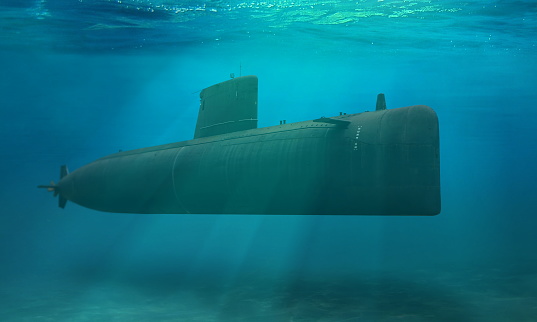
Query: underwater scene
[83,79]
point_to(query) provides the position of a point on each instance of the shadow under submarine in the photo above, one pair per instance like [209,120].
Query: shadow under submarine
[384,162]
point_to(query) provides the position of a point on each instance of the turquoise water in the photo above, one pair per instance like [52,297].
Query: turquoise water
[83,79]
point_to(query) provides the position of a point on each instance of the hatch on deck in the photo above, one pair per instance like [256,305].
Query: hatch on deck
[228,107]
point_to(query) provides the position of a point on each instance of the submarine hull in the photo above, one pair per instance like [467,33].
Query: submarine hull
[384,162]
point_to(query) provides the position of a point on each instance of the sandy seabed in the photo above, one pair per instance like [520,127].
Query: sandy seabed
[490,295]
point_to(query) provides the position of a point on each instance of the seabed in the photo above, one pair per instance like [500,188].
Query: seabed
[490,295]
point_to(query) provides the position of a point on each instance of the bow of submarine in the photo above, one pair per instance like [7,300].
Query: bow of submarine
[395,164]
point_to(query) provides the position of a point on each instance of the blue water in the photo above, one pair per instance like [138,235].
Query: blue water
[83,79]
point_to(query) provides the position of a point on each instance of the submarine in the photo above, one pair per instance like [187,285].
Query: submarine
[381,162]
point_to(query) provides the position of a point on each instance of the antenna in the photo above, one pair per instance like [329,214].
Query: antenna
[240,69]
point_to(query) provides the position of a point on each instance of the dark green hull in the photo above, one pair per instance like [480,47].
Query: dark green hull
[374,163]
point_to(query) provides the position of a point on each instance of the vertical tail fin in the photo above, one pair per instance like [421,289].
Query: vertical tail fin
[54,187]
[61,200]
[63,171]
